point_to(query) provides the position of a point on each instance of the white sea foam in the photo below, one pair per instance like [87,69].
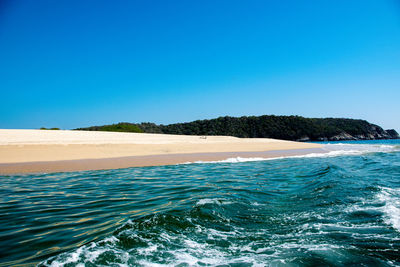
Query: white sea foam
[193,252]
[391,199]
[360,148]
[148,250]
[329,150]
[89,254]
[387,201]
[217,201]
[230,160]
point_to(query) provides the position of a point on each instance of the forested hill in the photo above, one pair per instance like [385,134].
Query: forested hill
[280,127]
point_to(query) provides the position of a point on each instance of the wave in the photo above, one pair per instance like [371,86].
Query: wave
[209,235]
[216,201]
[294,212]
[230,160]
[391,208]
[329,150]
[150,242]
[386,201]
[361,148]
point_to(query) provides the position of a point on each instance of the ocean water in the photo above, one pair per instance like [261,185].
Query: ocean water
[340,209]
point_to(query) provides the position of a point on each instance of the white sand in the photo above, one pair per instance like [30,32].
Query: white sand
[62,137]
[55,145]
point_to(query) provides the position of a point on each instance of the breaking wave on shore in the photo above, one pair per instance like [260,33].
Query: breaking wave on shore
[328,150]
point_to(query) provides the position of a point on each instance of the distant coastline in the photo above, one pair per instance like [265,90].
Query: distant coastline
[293,128]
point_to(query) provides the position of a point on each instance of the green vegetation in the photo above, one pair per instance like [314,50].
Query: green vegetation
[44,128]
[119,127]
[280,127]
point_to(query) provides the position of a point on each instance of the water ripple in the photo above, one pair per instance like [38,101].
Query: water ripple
[342,210]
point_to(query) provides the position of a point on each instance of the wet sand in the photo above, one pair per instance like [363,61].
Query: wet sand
[141,161]
[30,151]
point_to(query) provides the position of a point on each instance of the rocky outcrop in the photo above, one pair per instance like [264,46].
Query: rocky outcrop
[342,136]
[375,132]
[393,134]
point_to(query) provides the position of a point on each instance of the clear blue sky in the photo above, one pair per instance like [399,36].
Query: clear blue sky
[80,63]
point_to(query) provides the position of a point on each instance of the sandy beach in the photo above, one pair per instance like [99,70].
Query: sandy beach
[24,151]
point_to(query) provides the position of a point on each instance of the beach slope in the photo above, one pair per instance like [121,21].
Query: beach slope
[63,150]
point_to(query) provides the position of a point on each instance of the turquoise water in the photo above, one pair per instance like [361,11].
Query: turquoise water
[340,209]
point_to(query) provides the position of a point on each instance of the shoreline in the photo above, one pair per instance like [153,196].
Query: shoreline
[29,151]
[142,161]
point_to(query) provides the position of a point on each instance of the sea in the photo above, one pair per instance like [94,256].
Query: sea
[341,208]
